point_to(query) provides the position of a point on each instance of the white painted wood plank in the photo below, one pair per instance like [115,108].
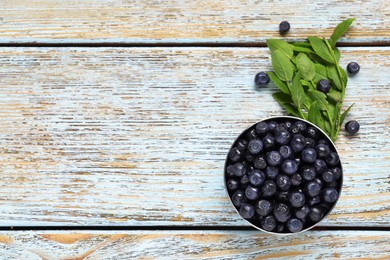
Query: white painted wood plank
[138,136]
[185,21]
[192,245]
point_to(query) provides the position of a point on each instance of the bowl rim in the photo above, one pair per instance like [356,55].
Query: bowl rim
[278,118]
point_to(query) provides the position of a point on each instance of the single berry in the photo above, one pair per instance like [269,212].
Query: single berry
[323,85]
[272,126]
[242,144]
[259,162]
[252,193]
[330,195]
[298,142]
[312,132]
[332,159]
[262,79]
[294,130]
[261,128]
[283,182]
[281,127]
[268,223]
[232,184]
[268,189]
[314,201]
[297,199]
[296,179]
[256,178]
[323,141]
[309,155]
[230,171]
[352,127]
[247,211]
[320,166]
[308,173]
[295,225]
[302,212]
[322,150]
[300,125]
[289,166]
[327,176]
[274,158]
[255,146]
[316,213]
[271,172]
[252,134]
[284,27]
[282,137]
[263,207]
[336,173]
[353,68]
[238,198]
[282,212]
[244,180]
[235,154]
[288,124]
[310,143]
[286,151]
[312,188]
[268,141]
[239,169]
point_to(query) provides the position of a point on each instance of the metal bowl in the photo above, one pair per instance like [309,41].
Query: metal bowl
[255,222]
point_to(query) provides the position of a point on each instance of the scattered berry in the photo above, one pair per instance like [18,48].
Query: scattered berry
[353,68]
[323,85]
[262,79]
[352,127]
[284,27]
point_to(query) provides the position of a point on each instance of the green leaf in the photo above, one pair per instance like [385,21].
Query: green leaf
[297,93]
[320,48]
[282,97]
[291,110]
[305,66]
[318,96]
[340,29]
[284,47]
[283,67]
[334,96]
[344,114]
[321,70]
[337,54]
[307,84]
[283,86]
[302,49]
[315,115]
[344,76]
[301,44]
[334,76]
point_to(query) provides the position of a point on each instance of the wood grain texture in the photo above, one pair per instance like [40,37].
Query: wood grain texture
[138,136]
[192,245]
[188,21]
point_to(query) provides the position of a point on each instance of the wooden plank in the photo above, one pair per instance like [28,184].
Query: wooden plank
[138,136]
[96,21]
[192,244]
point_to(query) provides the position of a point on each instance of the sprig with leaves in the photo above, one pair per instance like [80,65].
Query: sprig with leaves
[298,66]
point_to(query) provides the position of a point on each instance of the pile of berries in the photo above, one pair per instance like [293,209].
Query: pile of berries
[283,175]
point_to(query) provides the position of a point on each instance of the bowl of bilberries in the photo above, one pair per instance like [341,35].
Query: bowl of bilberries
[283,174]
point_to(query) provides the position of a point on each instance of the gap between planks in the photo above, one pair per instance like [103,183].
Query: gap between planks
[180,228]
[174,45]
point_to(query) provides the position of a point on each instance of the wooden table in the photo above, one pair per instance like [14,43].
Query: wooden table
[116,117]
